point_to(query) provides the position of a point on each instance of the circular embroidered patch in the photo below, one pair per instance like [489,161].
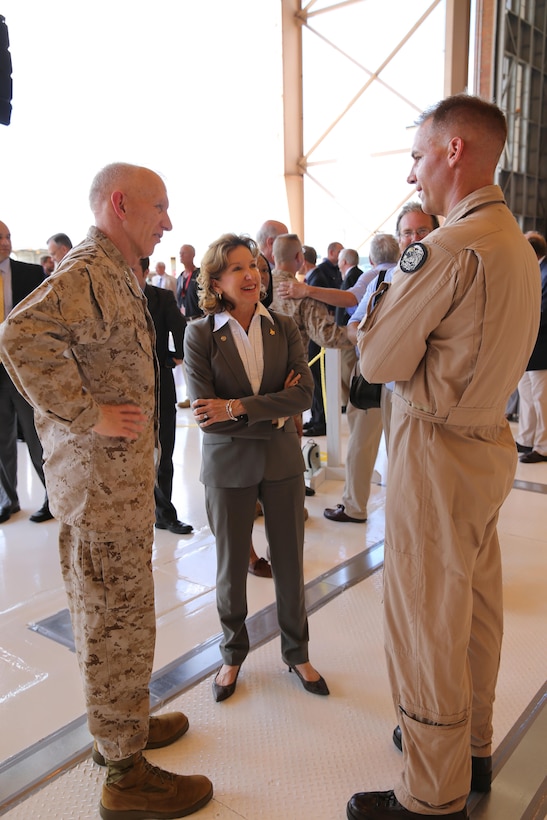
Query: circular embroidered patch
[413,258]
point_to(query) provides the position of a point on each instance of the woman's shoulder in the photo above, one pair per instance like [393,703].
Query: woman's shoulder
[199,325]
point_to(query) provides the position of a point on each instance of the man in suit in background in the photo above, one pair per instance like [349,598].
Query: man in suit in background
[164,280]
[309,263]
[167,319]
[48,265]
[58,246]
[17,280]
[266,235]
[348,262]
[325,275]
[532,439]
[187,298]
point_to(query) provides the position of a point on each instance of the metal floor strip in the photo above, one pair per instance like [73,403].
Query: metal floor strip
[530,486]
[520,791]
[31,769]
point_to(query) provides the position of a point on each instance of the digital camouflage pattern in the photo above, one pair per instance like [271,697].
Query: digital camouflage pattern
[110,593]
[312,317]
[82,338]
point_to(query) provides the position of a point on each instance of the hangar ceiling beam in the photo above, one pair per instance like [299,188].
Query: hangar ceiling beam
[456,64]
[293,114]
[296,15]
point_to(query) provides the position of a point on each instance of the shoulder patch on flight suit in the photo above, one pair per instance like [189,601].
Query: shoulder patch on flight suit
[413,258]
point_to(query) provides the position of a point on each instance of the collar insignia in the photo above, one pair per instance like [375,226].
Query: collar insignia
[414,257]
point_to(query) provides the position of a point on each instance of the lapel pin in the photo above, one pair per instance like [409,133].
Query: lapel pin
[223,338]
[272,332]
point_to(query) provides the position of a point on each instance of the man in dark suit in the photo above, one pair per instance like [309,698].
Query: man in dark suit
[325,275]
[18,279]
[167,319]
[532,388]
[348,262]
[58,246]
[186,280]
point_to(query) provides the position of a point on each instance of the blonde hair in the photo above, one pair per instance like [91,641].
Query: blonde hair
[213,265]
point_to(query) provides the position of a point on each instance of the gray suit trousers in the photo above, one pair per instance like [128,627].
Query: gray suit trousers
[231,512]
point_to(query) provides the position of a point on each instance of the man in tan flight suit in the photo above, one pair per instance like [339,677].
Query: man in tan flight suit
[454,330]
[80,349]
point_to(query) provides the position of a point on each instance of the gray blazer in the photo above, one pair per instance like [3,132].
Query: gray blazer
[242,453]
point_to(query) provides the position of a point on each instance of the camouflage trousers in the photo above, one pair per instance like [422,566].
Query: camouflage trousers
[111,600]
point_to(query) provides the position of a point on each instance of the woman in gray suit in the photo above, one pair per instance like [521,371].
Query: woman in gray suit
[247,377]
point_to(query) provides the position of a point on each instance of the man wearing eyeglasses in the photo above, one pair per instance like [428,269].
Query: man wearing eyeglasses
[413,225]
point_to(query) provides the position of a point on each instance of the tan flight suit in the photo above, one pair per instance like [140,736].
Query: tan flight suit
[455,332]
[84,338]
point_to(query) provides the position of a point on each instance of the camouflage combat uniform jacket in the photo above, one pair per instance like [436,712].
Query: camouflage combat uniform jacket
[83,338]
[312,317]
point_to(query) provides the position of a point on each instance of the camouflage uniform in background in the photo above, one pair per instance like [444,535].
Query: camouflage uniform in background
[84,338]
[313,318]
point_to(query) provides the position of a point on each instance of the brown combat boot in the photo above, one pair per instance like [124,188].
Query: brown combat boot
[162,731]
[144,791]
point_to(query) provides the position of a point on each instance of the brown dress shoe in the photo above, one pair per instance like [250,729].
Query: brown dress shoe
[162,731]
[147,791]
[261,568]
[337,514]
[385,806]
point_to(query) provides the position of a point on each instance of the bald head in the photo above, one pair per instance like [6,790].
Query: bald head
[265,237]
[186,256]
[130,206]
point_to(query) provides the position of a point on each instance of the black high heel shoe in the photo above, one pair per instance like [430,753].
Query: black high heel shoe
[316,687]
[224,692]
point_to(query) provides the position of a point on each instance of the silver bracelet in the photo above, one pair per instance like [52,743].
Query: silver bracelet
[229,410]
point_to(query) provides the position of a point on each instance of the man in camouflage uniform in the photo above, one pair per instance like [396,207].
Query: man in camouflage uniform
[80,349]
[312,317]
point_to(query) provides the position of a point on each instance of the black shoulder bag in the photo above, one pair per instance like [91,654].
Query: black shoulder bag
[363,394]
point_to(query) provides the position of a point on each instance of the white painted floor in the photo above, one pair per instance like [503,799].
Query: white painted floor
[272,751]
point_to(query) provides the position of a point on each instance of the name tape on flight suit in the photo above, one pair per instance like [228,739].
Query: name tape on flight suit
[413,258]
